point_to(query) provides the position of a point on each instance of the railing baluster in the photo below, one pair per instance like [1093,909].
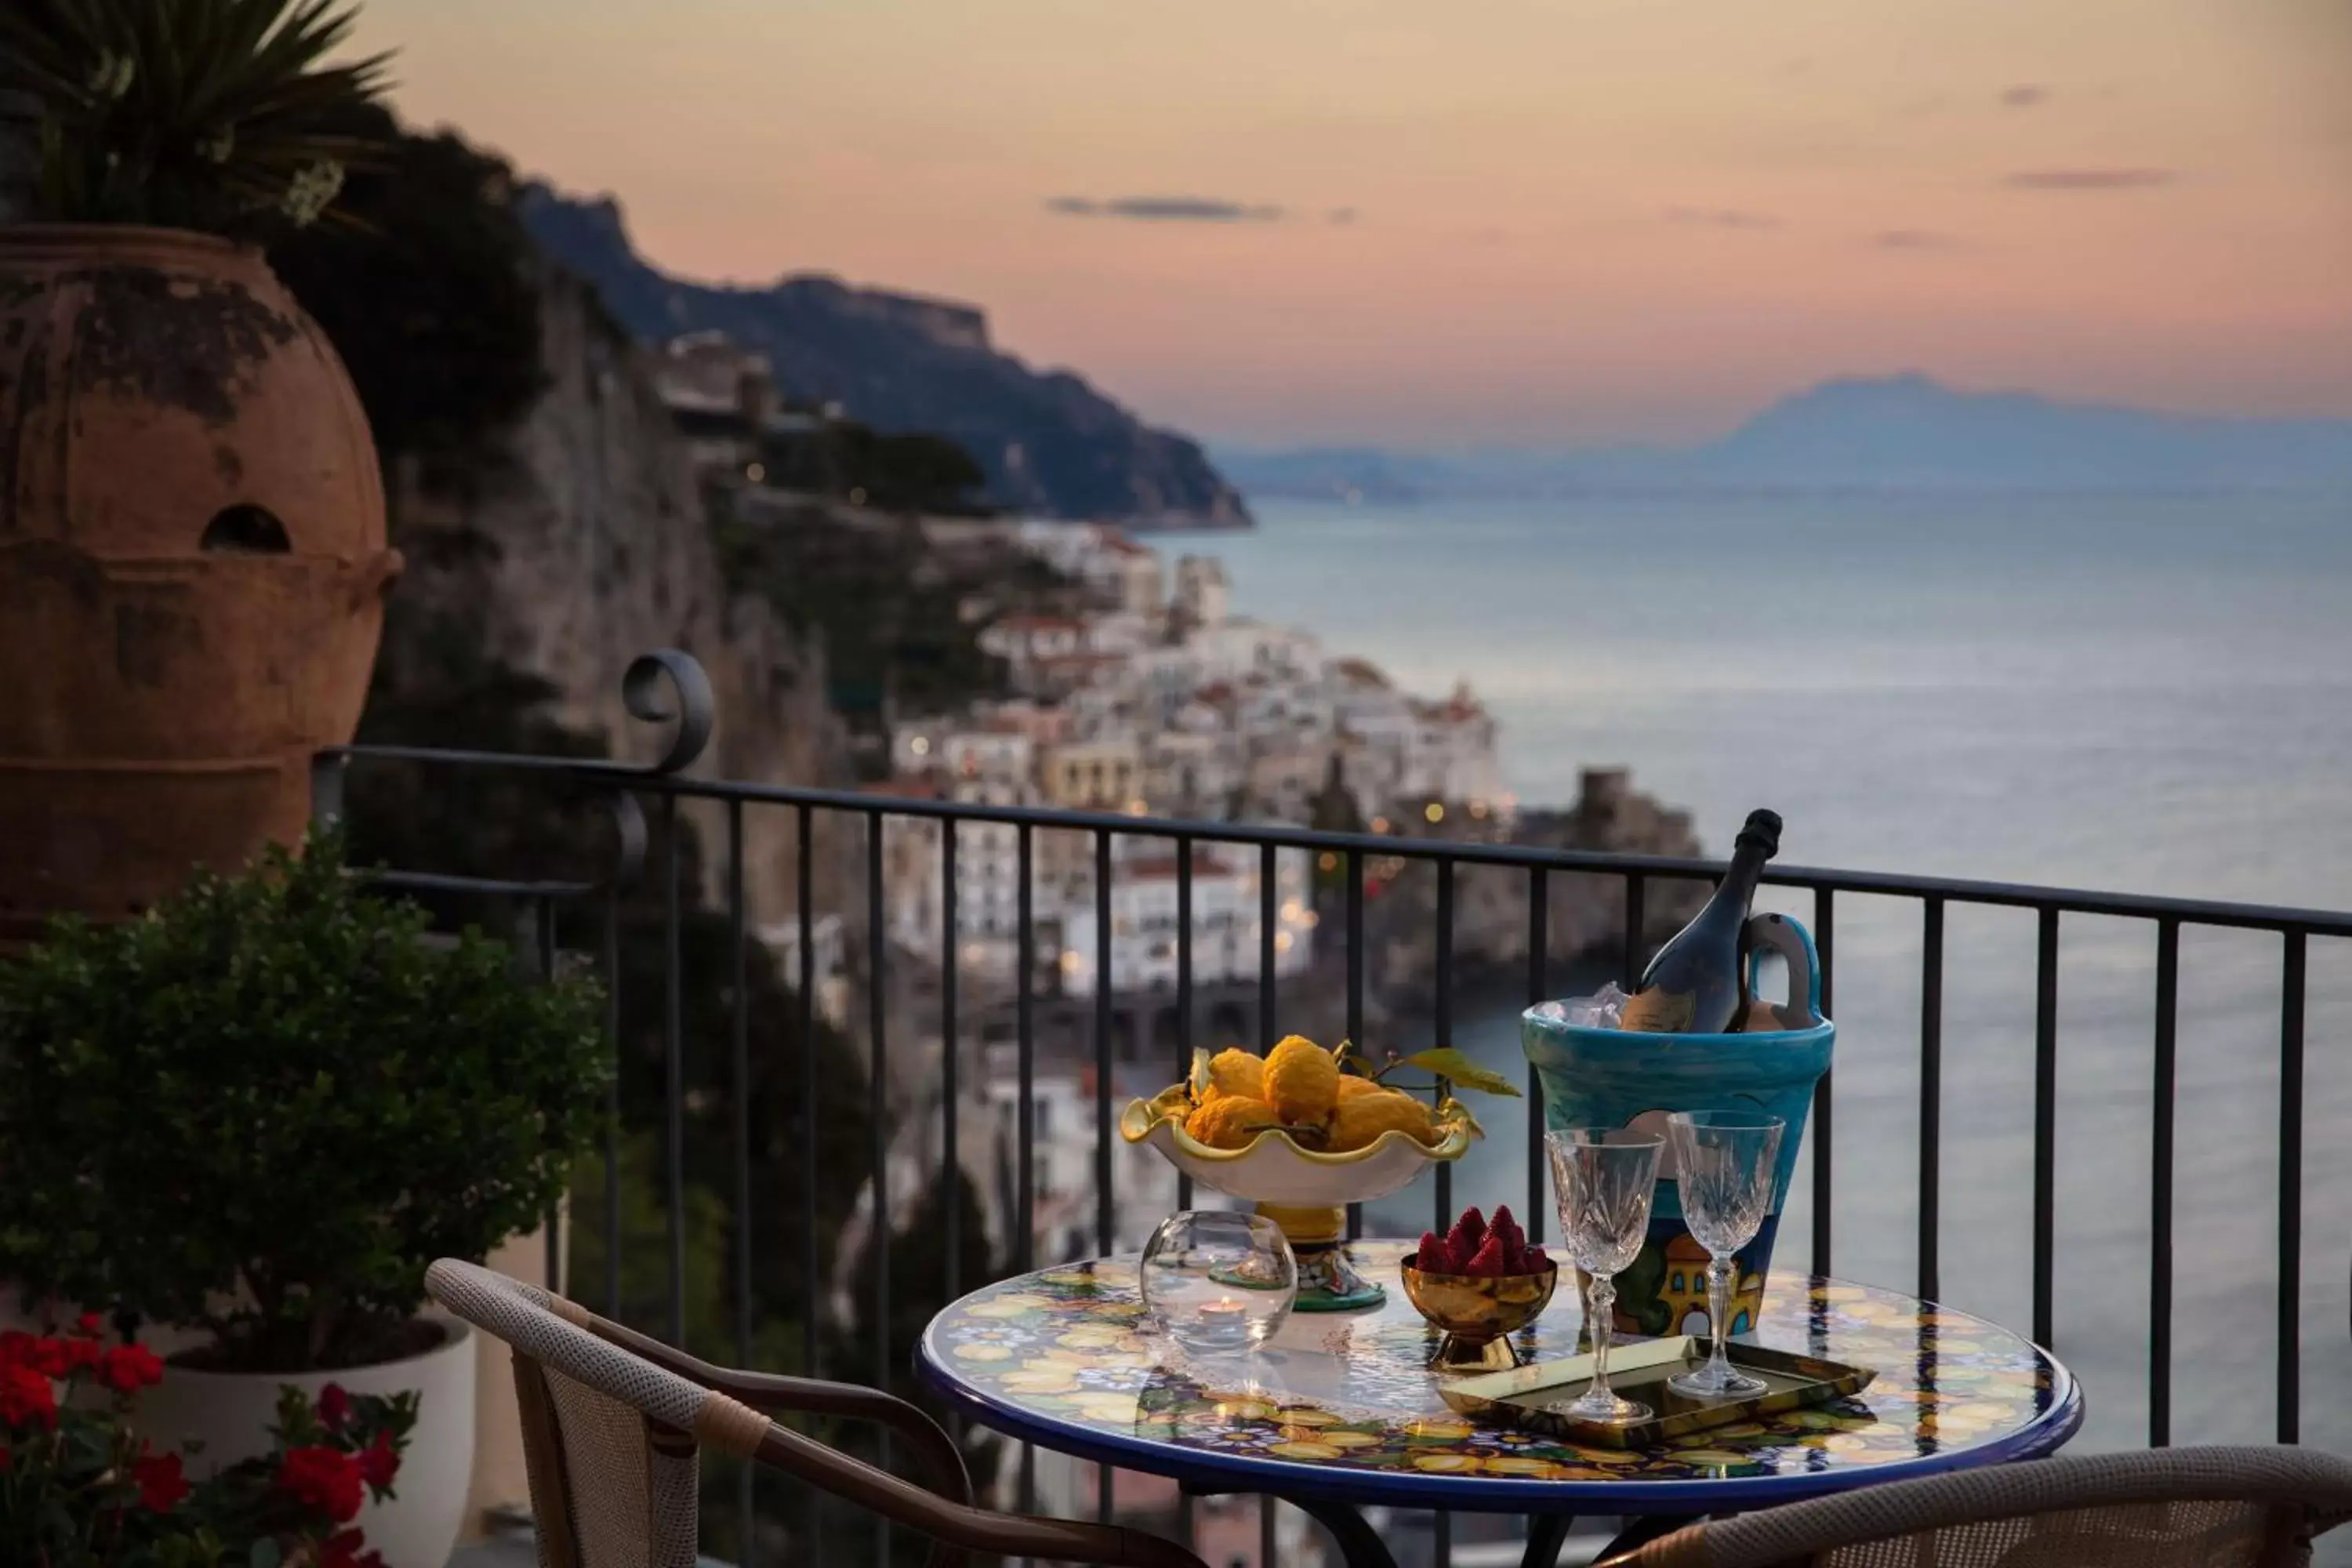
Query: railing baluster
[1025,964]
[673,1071]
[543,940]
[1444,1028]
[877,948]
[812,1269]
[1539,951]
[1824,1105]
[1355,988]
[1105,1216]
[1106,1503]
[1931,1096]
[1184,995]
[612,1105]
[1636,917]
[2289,1180]
[950,1065]
[740,1074]
[2045,1127]
[1267,911]
[2160,1219]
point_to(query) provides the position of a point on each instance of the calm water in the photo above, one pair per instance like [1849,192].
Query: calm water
[2150,695]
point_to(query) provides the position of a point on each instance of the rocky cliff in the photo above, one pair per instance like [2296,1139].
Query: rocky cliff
[580,544]
[1051,445]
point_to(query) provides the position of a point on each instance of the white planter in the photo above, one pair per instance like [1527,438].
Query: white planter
[231,1412]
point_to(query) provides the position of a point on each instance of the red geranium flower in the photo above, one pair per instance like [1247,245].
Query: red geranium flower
[126,1369]
[379,1462]
[324,1478]
[90,1325]
[25,1397]
[342,1550]
[162,1483]
[334,1406]
[50,1358]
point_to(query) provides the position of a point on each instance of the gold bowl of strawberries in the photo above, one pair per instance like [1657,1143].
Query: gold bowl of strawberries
[1302,1132]
[1479,1284]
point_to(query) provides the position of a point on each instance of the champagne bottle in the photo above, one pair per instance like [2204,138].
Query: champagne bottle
[1698,982]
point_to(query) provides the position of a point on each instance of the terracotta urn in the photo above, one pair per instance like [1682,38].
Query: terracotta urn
[192,563]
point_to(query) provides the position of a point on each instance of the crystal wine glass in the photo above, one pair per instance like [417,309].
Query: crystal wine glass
[1602,1178]
[1724,1164]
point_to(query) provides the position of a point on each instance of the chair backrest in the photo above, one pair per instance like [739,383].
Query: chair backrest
[611,1441]
[2163,1507]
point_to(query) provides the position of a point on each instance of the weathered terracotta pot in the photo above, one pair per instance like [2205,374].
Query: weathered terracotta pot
[192,563]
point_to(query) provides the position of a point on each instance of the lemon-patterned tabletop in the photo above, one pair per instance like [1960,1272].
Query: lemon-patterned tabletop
[1340,1406]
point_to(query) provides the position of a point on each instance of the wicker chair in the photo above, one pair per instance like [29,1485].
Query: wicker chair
[613,1424]
[2163,1508]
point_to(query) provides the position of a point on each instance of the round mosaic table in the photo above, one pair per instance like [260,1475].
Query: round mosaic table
[1339,1410]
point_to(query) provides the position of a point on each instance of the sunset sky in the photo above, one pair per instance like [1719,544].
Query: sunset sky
[1506,222]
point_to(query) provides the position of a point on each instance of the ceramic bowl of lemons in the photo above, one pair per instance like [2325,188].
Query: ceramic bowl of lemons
[1301,1136]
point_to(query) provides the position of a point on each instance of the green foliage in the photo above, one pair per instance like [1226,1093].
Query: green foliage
[264,1109]
[1459,1071]
[428,294]
[846,460]
[887,608]
[206,114]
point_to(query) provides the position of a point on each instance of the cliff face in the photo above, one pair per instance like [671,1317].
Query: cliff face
[1051,445]
[581,544]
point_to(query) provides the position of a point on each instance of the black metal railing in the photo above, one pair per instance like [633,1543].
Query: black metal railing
[669,688]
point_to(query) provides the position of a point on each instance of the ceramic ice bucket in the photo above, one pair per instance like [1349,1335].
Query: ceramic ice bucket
[1615,1078]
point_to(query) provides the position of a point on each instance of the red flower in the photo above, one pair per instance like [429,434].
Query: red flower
[379,1462]
[128,1368]
[323,1479]
[50,1358]
[90,1325]
[342,1550]
[161,1484]
[25,1397]
[334,1406]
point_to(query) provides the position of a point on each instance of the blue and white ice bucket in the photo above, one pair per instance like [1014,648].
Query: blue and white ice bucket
[1618,1077]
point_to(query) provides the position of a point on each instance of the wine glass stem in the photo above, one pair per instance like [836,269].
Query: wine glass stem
[1598,1301]
[1718,1315]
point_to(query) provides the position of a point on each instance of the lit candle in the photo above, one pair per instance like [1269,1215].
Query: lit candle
[1223,1312]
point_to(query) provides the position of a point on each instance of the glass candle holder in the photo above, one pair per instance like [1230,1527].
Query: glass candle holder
[1219,1282]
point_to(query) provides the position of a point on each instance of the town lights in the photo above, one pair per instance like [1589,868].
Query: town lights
[921,745]
[1434,811]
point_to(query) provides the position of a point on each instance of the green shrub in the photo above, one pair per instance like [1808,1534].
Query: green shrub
[267,1106]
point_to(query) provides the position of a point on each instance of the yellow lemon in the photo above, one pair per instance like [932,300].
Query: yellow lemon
[1304,1451]
[1302,1080]
[1237,1072]
[1230,1122]
[1354,1086]
[1359,1120]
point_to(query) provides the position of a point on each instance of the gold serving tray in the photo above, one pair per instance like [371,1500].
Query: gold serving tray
[1535,1398]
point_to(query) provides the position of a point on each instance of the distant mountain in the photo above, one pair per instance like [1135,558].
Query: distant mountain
[1051,445]
[1895,433]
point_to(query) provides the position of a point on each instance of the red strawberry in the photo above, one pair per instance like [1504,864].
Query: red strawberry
[1515,1240]
[1432,1259]
[1489,1263]
[1535,1260]
[1461,1243]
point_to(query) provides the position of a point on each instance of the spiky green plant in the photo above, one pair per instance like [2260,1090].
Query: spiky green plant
[206,114]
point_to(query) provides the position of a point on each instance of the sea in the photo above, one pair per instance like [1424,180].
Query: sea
[2144,694]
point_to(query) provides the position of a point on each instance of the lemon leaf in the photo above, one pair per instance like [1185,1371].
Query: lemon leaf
[1452,1065]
